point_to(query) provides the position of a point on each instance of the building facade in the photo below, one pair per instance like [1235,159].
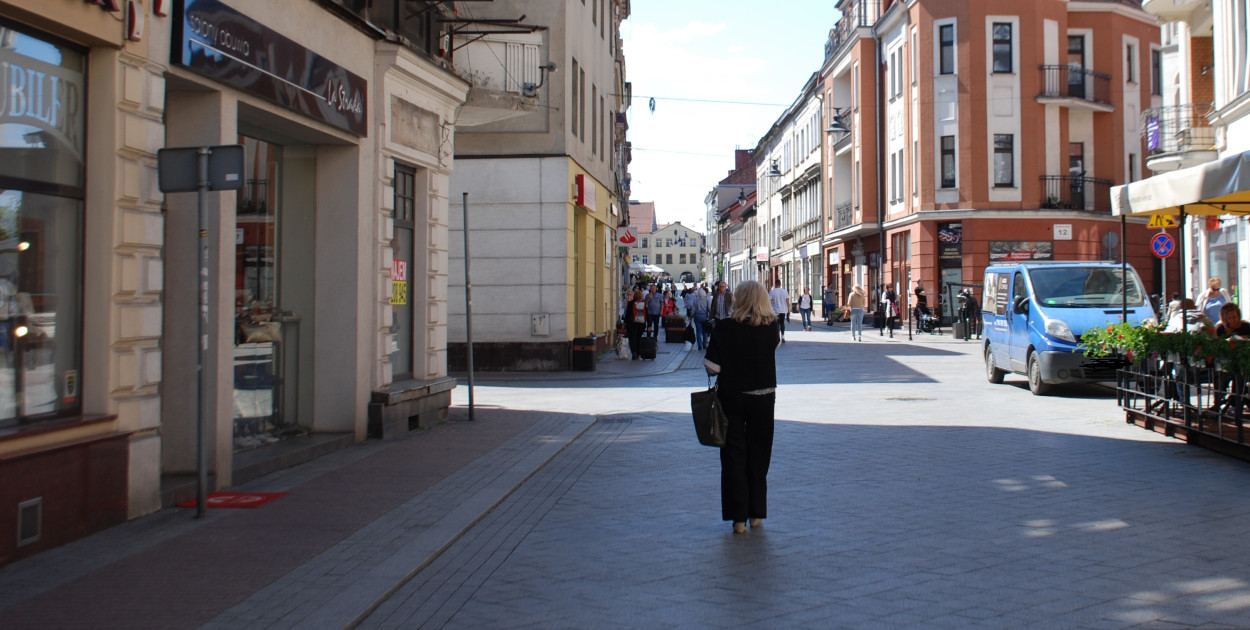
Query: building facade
[968,133]
[544,187]
[679,251]
[327,246]
[1204,115]
[731,253]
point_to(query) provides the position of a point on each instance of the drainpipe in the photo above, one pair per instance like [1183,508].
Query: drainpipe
[876,88]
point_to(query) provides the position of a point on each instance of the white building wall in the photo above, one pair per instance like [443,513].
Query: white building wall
[519,249]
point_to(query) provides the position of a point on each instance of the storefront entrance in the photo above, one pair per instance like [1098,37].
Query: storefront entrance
[273,290]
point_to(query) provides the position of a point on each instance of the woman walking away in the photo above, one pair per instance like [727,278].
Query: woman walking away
[635,322]
[743,352]
[857,302]
[805,308]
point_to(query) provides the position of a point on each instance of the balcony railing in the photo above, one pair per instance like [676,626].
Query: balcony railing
[861,14]
[1178,129]
[843,215]
[1075,83]
[1076,193]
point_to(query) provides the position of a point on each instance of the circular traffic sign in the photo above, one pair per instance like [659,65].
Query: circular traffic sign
[1162,245]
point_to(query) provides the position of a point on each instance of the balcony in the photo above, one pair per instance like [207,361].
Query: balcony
[1075,87]
[1176,10]
[1178,137]
[843,216]
[862,14]
[1087,194]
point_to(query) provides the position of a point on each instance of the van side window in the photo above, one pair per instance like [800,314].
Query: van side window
[1019,289]
[989,292]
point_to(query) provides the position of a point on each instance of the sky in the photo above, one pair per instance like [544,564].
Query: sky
[721,73]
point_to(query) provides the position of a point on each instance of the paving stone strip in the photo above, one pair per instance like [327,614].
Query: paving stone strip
[435,594]
[343,583]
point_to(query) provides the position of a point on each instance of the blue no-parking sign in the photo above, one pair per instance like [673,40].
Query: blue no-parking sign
[1162,245]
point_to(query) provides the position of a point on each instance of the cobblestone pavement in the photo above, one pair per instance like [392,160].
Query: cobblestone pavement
[905,491]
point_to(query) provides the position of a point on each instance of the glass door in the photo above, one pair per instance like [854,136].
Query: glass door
[1076,173]
[258,327]
[1076,66]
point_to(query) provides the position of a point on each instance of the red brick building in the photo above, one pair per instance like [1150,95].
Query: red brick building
[961,133]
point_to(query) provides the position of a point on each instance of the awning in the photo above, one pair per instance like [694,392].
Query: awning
[1214,188]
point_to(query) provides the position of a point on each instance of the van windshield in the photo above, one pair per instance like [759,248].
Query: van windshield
[1085,286]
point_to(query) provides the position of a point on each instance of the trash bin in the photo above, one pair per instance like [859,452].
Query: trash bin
[583,354]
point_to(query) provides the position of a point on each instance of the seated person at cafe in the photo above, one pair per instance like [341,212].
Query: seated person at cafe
[1231,325]
[1231,322]
[1194,319]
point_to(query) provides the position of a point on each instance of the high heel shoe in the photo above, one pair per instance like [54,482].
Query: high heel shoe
[740,527]
[756,522]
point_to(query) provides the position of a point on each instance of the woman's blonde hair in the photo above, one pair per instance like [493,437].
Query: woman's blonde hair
[751,304]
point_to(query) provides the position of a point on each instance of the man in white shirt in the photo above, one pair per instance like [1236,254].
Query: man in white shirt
[781,306]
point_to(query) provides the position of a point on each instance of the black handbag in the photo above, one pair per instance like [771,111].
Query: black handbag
[710,422]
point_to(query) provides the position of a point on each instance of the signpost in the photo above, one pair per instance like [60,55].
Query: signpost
[201,169]
[1161,221]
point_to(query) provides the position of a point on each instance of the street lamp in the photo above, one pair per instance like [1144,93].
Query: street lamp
[742,196]
[774,170]
[836,127]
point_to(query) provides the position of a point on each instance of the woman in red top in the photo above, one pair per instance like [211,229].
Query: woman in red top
[669,307]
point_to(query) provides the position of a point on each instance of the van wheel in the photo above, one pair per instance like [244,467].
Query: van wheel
[1035,377]
[992,373]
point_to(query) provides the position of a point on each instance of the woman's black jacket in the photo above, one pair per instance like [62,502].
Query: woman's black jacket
[745,354]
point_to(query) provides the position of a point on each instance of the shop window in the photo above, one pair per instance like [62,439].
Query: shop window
[41,227]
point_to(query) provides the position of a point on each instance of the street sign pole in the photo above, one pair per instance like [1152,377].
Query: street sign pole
[201,170]
[201,444]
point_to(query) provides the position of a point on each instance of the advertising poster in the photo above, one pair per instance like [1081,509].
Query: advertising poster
[950,241]
[1014,251]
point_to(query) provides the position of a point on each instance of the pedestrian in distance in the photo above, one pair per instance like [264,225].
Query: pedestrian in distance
[655,305]
[805,308]
[857,301]
[722,303]
[743,355]
[699,310]
[780,299]
[827,305]
[669,307]
[889,304]
[635,322]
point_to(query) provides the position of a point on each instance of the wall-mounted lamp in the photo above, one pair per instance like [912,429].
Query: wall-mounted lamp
[531,89]
[836,125]
[774,171]
[742,196]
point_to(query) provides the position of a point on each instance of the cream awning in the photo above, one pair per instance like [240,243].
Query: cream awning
[1214,188]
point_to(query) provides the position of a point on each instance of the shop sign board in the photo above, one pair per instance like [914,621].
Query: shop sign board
[228,46]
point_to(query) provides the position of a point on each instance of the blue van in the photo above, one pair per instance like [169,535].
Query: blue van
[1034,314]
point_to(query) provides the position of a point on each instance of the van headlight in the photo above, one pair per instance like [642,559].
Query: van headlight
[1058,329]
